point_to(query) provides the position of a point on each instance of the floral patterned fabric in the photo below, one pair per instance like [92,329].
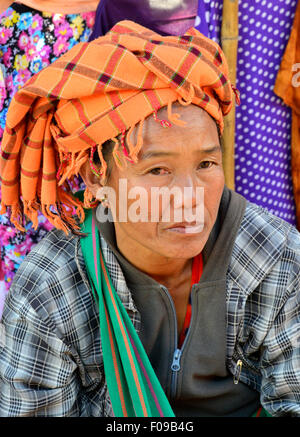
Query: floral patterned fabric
[29,41]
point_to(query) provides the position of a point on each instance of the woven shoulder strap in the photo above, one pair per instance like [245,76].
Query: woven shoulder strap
[133,386]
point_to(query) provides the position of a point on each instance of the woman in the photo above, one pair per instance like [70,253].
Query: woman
[214,297]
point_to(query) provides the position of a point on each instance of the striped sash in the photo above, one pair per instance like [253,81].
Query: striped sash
[133,386]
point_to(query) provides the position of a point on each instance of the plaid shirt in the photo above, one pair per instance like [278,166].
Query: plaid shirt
[50,350]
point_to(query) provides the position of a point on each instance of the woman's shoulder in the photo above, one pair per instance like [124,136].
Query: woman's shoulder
[264,244]
[50,284]
[258,219]
[50,293]
[49,255]
[51,265]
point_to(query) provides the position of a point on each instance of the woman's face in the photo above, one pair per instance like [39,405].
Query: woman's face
[181,158]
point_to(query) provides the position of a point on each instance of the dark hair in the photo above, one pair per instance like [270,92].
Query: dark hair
[220,136]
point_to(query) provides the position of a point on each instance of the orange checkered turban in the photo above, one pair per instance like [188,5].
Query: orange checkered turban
[97,91]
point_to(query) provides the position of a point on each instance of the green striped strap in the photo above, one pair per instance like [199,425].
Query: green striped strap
[133,386]
[261,412]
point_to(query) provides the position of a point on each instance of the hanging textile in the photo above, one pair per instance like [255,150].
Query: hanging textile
[168,17]
[29,41]
[287,87]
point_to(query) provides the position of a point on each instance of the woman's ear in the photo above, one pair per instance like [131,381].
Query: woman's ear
[89,178]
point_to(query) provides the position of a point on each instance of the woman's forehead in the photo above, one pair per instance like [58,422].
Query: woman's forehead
[199,128]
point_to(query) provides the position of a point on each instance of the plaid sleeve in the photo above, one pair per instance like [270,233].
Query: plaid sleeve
[280,388]
[50,356]
[37,373]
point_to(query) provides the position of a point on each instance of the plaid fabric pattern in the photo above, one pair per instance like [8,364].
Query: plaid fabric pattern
[91,94]
[50,352]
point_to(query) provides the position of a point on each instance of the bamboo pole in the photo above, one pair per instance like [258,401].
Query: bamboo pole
[229,44]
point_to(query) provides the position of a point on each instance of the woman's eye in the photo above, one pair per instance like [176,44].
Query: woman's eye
[205,164]
[158,171]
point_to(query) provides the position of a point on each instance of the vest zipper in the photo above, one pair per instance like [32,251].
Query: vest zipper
[175,366]
[237,373]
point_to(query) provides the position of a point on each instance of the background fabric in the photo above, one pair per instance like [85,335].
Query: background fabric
[30,40]
[287,87]
[168,17]
[62,7]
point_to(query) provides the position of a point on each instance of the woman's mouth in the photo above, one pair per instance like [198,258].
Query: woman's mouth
[187,228]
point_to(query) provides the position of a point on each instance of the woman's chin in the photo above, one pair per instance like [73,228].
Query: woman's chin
[181,245]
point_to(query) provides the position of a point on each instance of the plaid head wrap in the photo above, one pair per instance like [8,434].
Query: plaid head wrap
[95,92]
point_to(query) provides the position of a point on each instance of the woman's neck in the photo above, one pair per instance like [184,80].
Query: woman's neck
[170,272]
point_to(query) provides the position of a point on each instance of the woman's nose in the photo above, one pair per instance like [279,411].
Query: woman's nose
[189,193]
[191,201]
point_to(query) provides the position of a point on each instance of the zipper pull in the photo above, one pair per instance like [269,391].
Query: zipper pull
[237,373]
[176,360]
